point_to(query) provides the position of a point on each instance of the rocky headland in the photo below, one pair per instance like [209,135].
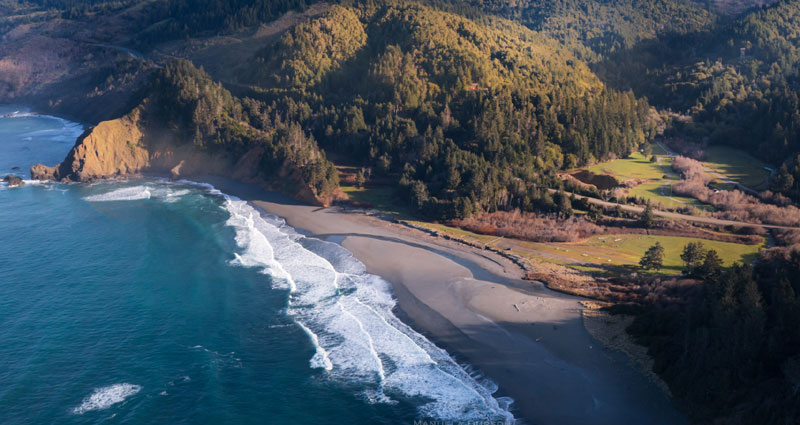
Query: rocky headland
[155,138]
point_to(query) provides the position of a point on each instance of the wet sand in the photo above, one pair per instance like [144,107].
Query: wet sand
[529,340]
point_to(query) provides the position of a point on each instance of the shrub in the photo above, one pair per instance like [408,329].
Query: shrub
[530,226]
[734,204]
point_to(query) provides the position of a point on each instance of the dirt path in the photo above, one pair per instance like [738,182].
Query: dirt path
[677,216]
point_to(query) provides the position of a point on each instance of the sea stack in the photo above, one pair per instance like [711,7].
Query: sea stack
[13,181]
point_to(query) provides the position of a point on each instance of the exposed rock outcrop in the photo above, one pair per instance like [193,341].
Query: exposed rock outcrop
[127,147]
[111,148]
[186,125]
[13,181]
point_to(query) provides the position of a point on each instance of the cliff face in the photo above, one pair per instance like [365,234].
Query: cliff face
[111,148]
[126,147]
[184,125]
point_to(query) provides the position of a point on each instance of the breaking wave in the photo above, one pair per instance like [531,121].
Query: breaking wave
[105,397]
[124,194]
[347,314]
[161,192]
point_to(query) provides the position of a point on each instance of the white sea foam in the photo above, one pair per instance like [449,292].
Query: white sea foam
[161,192]
[25,183]
[347,314]
[177,193]
[320,358]
[123,194]
[207,187]
[105,397]
[20,114]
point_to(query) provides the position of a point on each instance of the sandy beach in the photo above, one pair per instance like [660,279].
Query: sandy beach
[529,340]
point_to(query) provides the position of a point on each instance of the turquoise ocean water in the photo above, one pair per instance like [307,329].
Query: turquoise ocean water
[150,302]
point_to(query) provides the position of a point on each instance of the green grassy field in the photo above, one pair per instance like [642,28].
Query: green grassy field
[659,175]
[661,192]
[628,249]
[658,150]
[610,254]
[738,166]
[637,166]
[729,162]
[607,255]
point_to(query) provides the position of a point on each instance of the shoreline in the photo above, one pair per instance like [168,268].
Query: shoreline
[475,305]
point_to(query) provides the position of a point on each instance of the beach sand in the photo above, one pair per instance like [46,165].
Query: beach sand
[529,340]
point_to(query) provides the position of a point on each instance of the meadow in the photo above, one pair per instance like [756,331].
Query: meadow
[737,166]
[626,250]
[658,177]
[609,255]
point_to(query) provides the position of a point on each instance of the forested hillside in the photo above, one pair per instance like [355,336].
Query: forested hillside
[466,116]
[473,112]
[738,85]
[186,18]
[466,107]
[183,103]
[731,355]
[594,28]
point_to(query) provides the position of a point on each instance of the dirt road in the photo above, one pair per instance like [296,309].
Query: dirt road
[677,216]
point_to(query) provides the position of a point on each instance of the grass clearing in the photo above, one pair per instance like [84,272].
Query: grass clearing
[661,192]
[637,166]
[726,161]
[606,255]
[611,254]
[659,176]
[383,198]
[737,165]
[628,249]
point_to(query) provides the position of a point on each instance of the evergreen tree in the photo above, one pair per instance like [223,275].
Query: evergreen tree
[595,212]
[693,256]
[647,218]
[782,182]
[564,204]
[653,258]
[711,267]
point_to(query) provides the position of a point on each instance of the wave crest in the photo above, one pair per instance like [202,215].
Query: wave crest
[164,193]
[347,314]
[105,397]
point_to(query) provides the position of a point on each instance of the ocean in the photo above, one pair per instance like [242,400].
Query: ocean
[147,301]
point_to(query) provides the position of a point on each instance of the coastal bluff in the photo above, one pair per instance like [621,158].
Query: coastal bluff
[131,146]
[111,148]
